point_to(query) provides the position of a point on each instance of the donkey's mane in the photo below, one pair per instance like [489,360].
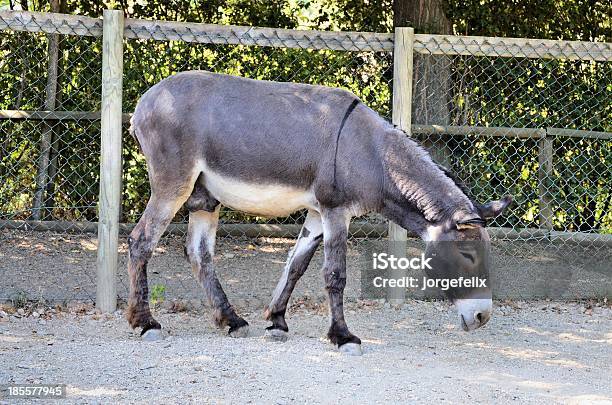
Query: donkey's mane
[431,196]
[458,182]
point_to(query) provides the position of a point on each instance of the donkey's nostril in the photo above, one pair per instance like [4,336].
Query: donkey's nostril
[479,317]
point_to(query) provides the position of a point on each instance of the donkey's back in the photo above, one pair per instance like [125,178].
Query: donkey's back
[261,147]
[229,119]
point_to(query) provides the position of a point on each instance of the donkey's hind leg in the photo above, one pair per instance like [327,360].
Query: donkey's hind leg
[142,242]
[297,263]
[200,250]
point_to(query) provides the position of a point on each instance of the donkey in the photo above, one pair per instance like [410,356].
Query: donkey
[270,149]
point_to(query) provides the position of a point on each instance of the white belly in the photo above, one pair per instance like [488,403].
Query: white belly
[272,200]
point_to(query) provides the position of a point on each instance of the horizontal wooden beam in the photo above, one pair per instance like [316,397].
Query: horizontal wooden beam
[449,130]
[512,47]
[55,115]
[50,23]
[357,229]
[575,133]
[474,130]
[310,39]
[245,35]
[581,238]
[516,234]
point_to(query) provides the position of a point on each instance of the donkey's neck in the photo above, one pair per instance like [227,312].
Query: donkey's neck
[416,189]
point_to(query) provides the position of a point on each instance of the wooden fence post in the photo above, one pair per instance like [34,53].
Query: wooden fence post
[545,168]
[402,117]
[110,160]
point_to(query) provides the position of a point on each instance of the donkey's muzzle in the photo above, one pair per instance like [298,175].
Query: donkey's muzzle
[474,312]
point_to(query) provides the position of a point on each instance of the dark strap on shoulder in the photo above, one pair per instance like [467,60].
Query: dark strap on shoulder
[348,112]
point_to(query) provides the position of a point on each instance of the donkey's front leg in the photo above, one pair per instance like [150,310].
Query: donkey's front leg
[297,263]
[200,250]
[335,232]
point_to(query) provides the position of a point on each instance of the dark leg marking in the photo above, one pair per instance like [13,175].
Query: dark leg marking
[138,311]
[298,263]
[278,320]
[334,272]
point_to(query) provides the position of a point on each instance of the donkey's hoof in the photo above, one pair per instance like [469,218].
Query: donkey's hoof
[240,332]
[152,335]
[276,335]
[351,349]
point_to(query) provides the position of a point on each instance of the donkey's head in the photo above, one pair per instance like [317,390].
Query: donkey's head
[459,248]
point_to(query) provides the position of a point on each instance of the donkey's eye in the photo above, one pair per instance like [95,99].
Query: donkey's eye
[468,256]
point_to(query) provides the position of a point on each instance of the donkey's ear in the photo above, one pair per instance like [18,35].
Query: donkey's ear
[495,208]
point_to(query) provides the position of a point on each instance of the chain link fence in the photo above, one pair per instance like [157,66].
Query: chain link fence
[531,118]
[49,155]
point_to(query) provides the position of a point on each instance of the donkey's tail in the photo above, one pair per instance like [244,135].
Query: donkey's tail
[133,132]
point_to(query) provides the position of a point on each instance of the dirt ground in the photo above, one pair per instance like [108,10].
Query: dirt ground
[530,352]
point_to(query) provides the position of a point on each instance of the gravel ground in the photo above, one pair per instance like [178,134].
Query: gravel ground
[530,352]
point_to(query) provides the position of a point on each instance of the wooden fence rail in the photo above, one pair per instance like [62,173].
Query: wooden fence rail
[66,24]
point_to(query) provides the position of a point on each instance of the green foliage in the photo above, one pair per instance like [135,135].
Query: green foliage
[158,294]
[580,20]
[20,299]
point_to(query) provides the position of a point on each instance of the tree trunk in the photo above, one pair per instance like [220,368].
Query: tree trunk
[431,92]
[56,141]
[46,141]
